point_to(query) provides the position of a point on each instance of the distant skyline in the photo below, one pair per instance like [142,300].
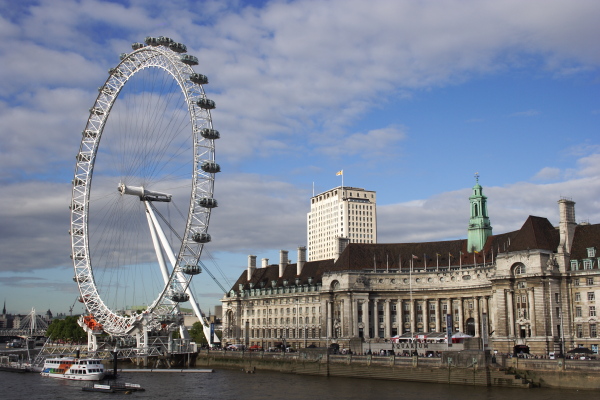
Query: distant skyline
[410,99]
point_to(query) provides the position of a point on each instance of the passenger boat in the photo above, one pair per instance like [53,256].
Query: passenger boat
[78,369]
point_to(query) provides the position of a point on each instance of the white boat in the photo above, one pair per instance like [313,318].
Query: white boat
[78,369]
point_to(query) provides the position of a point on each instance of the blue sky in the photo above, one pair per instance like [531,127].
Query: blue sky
[410,99]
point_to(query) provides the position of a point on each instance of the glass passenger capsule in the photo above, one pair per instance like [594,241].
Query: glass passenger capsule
[188,59]
[208,133]
[191,269]
[89,133]
[208,202]
[211,167]
[205,103]
[165,41]
[151,41]
[199,78]
[178,47]
[179,297]
[200,237]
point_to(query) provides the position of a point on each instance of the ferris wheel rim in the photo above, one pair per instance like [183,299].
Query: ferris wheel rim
[202,184]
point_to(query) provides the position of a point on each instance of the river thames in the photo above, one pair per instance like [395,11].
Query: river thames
[232,385]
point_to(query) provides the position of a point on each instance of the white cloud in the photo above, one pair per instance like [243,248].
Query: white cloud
[547,174]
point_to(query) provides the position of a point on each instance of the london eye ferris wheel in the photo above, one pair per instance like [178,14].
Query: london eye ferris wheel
[142,192]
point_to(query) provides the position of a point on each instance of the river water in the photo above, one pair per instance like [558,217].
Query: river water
[235,385]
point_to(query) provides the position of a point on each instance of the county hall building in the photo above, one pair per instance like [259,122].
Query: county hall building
[533,289]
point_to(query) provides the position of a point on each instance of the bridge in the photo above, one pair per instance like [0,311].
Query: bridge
[32,325]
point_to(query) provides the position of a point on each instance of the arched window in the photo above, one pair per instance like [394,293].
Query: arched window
[335,285]
[518,269]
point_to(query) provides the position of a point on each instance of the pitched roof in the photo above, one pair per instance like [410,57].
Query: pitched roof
[262,277]
[586,236]
[536,233]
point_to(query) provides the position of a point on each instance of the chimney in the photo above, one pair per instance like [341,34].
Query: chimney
[341,246]
[567,224]
[251,266]
[283,261]
[265,262]
[301,260]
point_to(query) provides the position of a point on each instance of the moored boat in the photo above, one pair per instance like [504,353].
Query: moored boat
[79,369]
[113,387]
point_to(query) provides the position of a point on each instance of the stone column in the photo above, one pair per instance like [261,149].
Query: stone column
[438,315]
[376,317]
[461,315]
[387,319]
[413,316]
[400,316]
[450,311]
[354,332]
[329,318]
[477,319]
[366,318]
[510,312]
[531,310]
[484,309]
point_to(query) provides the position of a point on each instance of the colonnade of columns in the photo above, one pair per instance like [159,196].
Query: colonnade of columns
[384,317]
[513,319]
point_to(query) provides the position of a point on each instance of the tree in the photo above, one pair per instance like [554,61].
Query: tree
[197,334]
[66,329]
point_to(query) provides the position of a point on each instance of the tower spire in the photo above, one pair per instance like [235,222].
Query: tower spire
[479,223]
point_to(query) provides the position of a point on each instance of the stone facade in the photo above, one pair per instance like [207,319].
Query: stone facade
[533,289]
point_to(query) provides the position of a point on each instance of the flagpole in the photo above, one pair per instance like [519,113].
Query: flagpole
[411,297]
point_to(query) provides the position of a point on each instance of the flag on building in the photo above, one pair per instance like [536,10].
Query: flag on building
[339,173]
[415,257]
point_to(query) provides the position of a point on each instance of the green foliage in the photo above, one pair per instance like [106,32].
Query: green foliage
[197,334]
[66,329]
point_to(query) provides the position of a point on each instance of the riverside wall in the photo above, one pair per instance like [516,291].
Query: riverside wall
[464,368]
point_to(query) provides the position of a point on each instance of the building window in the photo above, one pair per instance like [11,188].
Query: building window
[577,296]
[591,252]
[578,311]
[574,265]
[591,296]
[576,282]
[593,331]
[587,264]
[592,311]
[579,330]
[519,269]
